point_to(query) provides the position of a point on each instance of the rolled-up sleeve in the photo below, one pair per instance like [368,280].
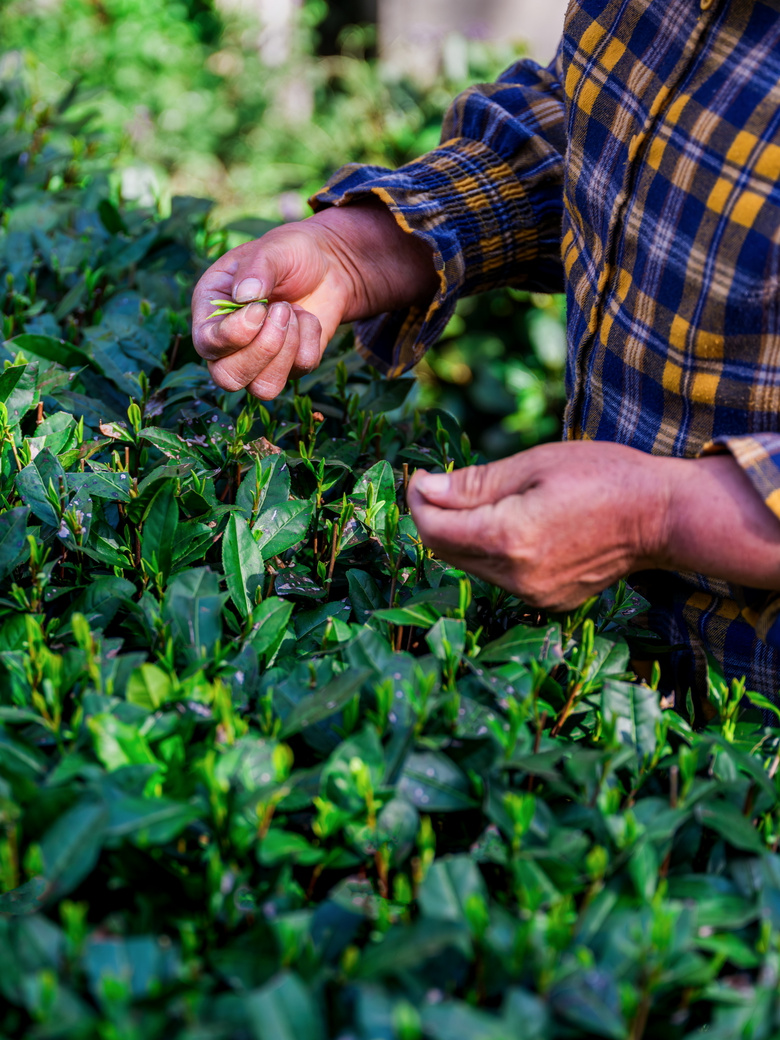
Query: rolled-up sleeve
[758,455]
[489,201]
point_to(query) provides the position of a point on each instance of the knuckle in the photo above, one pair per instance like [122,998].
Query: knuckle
[224,377]
[475,481]
[266,390]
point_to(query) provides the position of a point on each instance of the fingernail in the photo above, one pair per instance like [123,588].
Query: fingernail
[280,315]
[435,484]
[249,289]
[256,315]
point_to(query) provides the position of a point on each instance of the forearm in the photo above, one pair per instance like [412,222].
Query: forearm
[716,524]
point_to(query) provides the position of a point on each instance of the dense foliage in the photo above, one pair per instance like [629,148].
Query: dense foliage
[270,770]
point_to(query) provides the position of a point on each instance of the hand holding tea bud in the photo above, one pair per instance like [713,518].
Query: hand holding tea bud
[265,311]
[559,523]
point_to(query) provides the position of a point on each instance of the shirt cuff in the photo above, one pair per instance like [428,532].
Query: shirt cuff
[469,206]
[758,454]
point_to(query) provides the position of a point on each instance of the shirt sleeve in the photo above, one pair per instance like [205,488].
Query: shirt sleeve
[488,200]
[758,454]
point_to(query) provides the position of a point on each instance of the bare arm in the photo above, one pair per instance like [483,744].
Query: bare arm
[717,524]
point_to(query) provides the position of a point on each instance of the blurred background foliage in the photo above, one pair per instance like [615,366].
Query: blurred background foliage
[189,100]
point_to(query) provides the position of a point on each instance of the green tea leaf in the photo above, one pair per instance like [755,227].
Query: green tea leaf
[159,528]
[523,644]
[243,564]
[283,526]
[269,625]
[33,484]
[326,702]
[284,1009]
[71,846]
[13,538]
[447,886]
[434,783]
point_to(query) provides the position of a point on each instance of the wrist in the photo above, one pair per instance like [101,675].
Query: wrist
[388,267]
[657,520]
[715,523]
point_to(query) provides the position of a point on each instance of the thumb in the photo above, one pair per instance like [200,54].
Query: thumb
[472,486]
[255,276]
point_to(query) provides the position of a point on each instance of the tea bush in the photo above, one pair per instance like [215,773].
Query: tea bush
[270,770]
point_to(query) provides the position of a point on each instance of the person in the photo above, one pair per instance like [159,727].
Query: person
[640,171]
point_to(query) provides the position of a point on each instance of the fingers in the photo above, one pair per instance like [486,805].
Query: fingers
[272,377]
[451,532]
[475,485]
[478,541]
[220,337]
[240,275]
[311,343]
[237,370]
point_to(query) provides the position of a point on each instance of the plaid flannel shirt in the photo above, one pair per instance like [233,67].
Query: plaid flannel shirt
[641,171]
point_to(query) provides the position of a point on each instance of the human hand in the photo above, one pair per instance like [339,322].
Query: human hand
[341,264]
[555,524]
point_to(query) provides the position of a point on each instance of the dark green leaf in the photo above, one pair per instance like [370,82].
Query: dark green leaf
[13,538]
[283,526]
[34,482]
[71,847]
[434,783]
[326,702]
[284,1009]
[524,644]
[159,528]
[243,564]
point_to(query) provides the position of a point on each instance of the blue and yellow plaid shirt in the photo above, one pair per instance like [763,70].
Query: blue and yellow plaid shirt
[641,171]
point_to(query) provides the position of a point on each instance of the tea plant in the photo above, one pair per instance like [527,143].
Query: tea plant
[268,769]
